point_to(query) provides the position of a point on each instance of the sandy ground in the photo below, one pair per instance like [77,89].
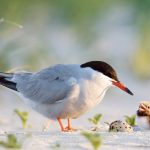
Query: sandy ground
[115,105]
[74,141]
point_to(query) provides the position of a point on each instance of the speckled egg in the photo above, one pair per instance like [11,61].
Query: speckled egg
[120,126]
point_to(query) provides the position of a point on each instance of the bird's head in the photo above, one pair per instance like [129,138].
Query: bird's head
[108,71]
[144,109]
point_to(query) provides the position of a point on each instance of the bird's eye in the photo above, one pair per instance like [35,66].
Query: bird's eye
[148,107]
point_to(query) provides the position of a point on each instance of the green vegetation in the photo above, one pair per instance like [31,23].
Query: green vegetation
[141,61]
[96,119]
[131,120]
[23,115]
[94,139]
[107,123]
[11,142]
[2,20]
[56,146]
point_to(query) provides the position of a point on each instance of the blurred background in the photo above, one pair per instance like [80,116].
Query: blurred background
[36,34]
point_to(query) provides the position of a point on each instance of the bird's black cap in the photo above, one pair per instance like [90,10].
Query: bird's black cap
[102,67]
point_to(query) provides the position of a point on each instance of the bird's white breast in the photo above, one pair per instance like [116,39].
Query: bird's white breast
[88,93]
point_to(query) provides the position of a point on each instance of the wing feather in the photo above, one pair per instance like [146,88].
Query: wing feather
[48,86]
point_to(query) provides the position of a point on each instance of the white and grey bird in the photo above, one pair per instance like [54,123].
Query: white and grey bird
[64,91]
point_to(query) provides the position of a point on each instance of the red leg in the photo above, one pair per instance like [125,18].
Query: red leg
[60,123]
[68,128]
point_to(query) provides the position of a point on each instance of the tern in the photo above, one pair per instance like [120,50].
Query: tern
[64,91]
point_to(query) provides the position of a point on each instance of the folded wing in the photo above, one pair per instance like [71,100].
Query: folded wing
[51,85]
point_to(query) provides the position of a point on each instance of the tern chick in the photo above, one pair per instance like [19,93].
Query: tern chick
[144,111]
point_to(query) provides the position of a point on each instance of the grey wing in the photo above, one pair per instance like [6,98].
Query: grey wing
[46,88]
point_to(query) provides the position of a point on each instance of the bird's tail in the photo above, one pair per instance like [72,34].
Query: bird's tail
[5,80]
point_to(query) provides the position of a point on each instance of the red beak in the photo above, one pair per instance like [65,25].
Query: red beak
[122,87]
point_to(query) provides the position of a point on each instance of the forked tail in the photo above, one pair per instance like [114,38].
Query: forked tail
[5,80]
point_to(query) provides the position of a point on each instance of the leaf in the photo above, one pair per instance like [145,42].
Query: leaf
[56,146]
[96,119]
[131,120]
[107,123]
[11,142]
[94,139]
[23,116]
